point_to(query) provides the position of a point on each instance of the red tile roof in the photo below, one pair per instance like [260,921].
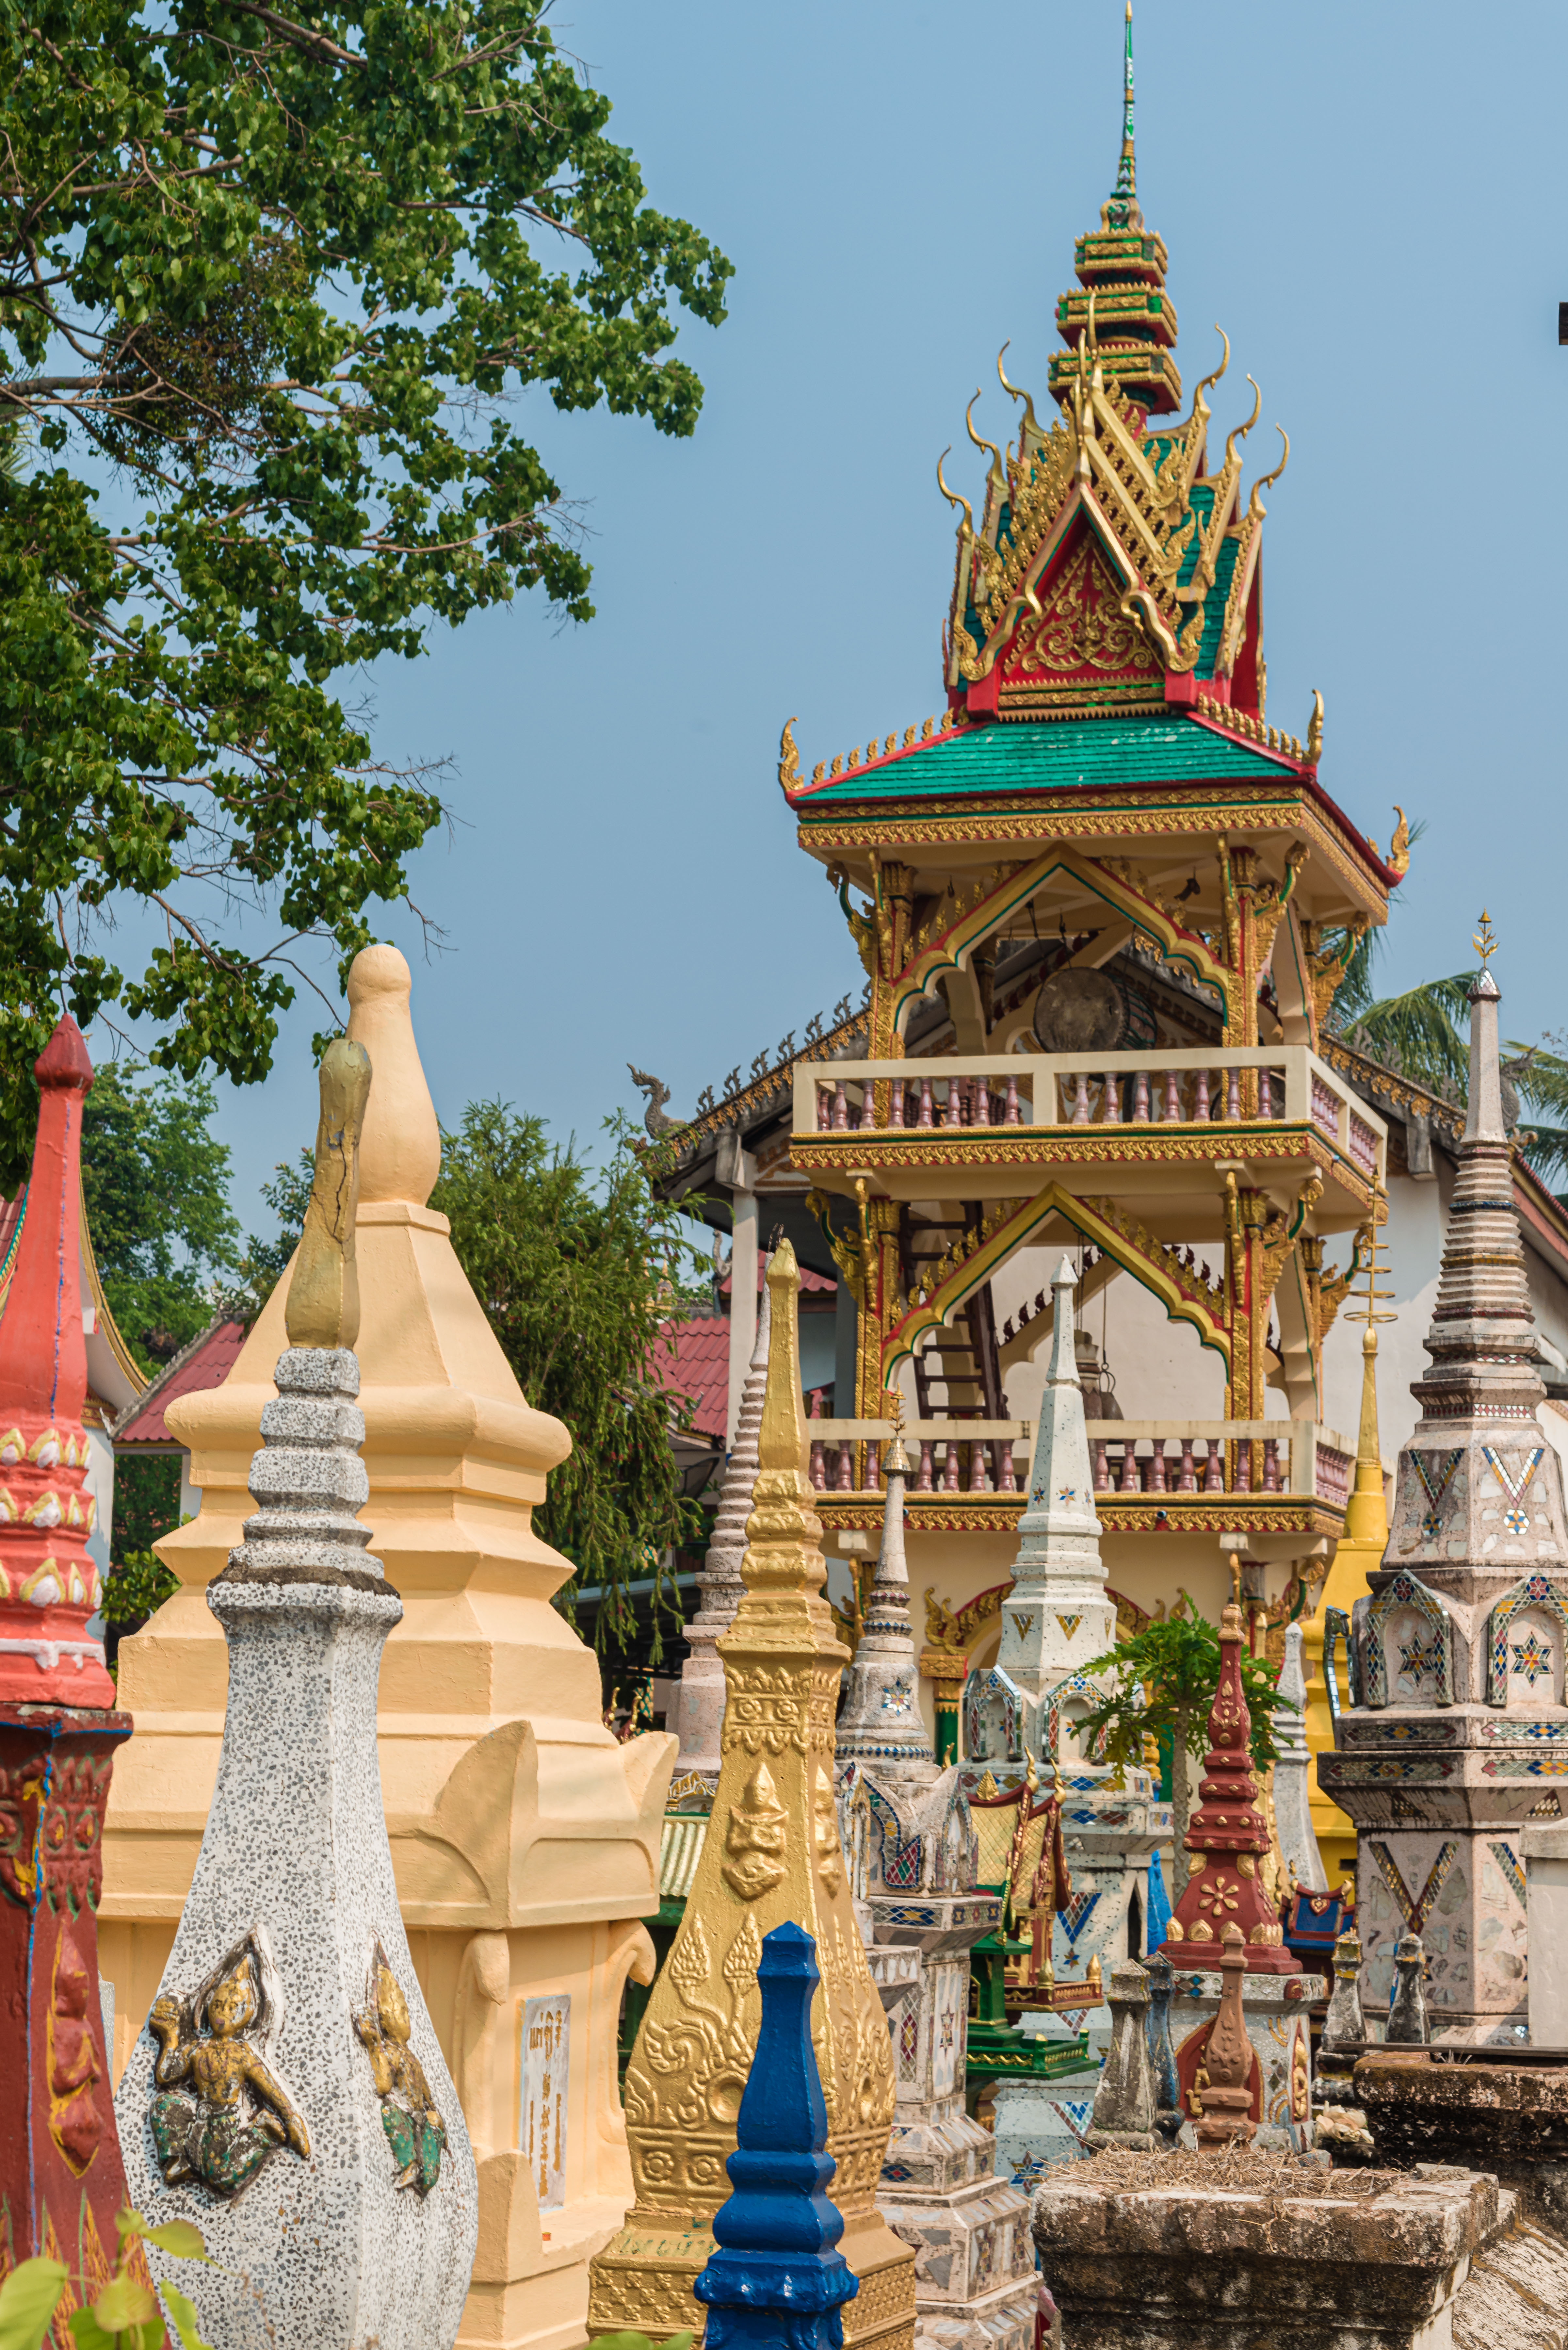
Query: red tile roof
[205,1363]
[700,1366]
[810,1283]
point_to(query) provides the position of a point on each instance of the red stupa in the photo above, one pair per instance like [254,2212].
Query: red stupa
[1227,1839]
[48,1584]
[61,2179]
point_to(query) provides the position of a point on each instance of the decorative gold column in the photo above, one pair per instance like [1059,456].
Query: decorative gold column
[771,1855]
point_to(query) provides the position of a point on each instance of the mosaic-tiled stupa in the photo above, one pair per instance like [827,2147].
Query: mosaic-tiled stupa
[1457,1727]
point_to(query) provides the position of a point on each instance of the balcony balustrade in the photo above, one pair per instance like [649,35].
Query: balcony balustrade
[1292,1457]
[1284,1085]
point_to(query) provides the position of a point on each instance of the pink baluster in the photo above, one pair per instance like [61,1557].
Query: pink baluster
[1185,1481]
[950,1467]
[979,1113]
[1270,1464]
[1080,1100]
[923,1482]
[873,1469]
[1232,1093]
[1244,1468]
[1009,1474]
[1010,1114]
[1131,1482]
[1156,1468]
[840,1108]
[818,1466]
[1140,1099]
[1200,1094]
[846,1480]
[978,1483]
[896,1102]
[823,1108]
[1102,1467]
[1214,1474]
[1172,1097]
[924,1117]
[1265,1095]
[951,1114]
[1111,1100]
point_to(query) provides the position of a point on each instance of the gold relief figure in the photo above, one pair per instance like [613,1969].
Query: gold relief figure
[415,2130]
[754,1838]
[240,2114]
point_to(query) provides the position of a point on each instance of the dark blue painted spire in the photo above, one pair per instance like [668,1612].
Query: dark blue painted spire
[776,2282]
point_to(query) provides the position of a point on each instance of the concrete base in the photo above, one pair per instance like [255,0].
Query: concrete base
[1488,2109]
[1357,2261]
[1040,2123]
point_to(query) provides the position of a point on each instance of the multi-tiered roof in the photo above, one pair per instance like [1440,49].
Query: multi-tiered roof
[1112,586]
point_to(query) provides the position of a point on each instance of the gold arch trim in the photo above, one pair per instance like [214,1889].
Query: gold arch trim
[940,1307]
[969,929]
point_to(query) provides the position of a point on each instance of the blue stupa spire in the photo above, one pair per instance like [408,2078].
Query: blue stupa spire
[776,2282]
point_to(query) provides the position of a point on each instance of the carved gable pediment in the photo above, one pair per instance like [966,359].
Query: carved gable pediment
[1081,649]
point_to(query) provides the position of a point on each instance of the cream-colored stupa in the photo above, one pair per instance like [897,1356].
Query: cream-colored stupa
[525,1839]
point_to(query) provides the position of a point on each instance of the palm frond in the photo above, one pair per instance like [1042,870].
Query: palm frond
[1545,1149]
[1421,1032]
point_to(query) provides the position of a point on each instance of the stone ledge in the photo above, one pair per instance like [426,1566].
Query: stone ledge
[1153,2252]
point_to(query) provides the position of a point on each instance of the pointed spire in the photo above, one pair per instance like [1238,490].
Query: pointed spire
[1057,1616]
[720,1584]
[1122,211]
[1482,1336]
[1121,269]
[881,1715]
[48,1585]
[1227,1835]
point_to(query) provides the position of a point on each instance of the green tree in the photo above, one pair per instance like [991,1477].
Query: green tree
[577,1272]
[1424,1034]
[156,1182]
[1165,1681]
[268,280]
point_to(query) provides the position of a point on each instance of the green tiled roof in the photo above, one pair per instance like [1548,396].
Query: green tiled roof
[1086,755]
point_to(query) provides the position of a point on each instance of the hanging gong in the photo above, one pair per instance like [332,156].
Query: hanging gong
[1080,1012]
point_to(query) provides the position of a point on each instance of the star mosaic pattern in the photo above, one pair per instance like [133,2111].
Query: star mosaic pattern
[1531,1658]
[1416,1661]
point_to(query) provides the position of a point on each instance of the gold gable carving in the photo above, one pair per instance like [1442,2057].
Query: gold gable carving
[1082,625]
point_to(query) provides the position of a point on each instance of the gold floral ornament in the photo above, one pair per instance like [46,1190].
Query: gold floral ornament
[415,2130]
[239,2113]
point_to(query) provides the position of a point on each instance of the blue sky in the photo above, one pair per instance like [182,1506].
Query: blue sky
[1366,198]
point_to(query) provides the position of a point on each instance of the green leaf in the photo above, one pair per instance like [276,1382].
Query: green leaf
[88,2334]
[28,2302]
[179,2238]
[124,2302]
[183,2313]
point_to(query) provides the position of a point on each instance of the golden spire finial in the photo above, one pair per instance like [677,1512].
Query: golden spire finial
[322,1305]
[1485,940]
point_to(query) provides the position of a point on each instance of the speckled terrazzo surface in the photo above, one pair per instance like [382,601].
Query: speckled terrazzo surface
[330,2253]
